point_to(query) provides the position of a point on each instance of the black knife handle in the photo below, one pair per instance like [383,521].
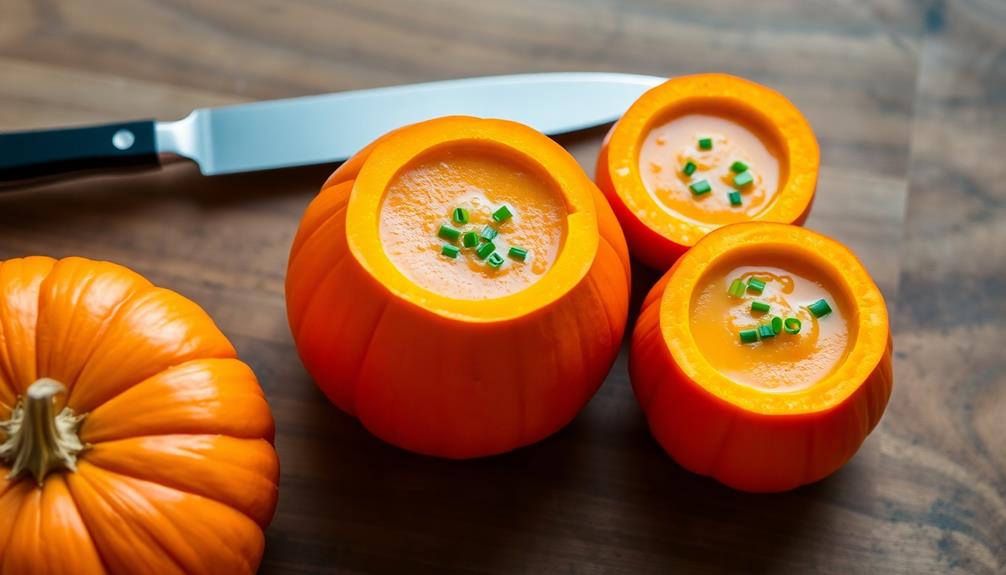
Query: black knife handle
[45,153]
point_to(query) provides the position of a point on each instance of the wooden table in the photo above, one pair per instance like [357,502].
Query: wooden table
[907,99]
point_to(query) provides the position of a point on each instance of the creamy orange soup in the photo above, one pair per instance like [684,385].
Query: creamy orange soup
[423,197]
[784,362]
[669,147]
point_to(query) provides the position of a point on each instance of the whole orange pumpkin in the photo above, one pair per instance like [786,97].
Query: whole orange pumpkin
[447,376]
[132,440]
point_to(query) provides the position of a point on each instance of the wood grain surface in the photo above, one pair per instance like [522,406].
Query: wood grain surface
[908,99]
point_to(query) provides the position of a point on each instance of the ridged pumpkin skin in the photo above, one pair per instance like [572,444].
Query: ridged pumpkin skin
[180,475]
[660,244]
[405,361]
[746,439]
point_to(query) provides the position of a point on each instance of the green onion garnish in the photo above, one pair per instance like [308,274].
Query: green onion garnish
[756,286]
[792,325]
[738,167]
[450,251]
[700,187]
[502,214]
[765,331]
[495,261]
[776,325]
[735,198]
[519,254]
[819,308]
[448,233]
[705,143]
[469,239]
[689,168]
[760,306]
[749,335]
[736,288]
[742,179]
[485,249]
[489,233]
[460,216]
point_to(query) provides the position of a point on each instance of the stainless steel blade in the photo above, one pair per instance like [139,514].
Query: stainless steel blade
[331,127]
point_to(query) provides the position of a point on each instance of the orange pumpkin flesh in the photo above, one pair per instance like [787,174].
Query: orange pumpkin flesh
[640,167]
[456,375]
[756,437]
[131,437]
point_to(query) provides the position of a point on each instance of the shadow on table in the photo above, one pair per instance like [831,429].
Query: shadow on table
[599,496]
[177,180]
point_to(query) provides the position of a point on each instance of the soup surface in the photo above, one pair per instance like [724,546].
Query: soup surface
[784,361]
[424,197]
[735,154]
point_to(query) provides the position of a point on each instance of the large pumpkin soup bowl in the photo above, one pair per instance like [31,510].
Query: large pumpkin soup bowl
[763,357]
[460,286]
[132,439]
[703,151]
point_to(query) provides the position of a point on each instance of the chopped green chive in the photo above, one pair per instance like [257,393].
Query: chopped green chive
[742,179]
[756,286]
[736,288]
[502,214]
[450,251]
[705,143]
[519,254]
[735,198]
[469,239]
[777,325]
[760,306]
[448,233]
[819,308]
[738,167]
[689,168]
[749,335]
[485,249]
[489,233]
[460,216]
[495,261]
[700,187]
[765,331]
[792,325]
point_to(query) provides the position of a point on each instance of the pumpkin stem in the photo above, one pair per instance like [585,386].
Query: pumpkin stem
[38,441]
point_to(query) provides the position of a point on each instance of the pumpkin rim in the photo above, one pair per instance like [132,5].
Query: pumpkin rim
[731,96]
[398,150]
[868,317]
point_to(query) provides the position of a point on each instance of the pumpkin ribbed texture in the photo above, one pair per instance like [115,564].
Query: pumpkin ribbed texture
[744,438]
[178,474]
[415,377]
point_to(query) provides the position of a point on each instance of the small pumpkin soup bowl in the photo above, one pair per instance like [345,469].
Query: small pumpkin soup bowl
[763,357]
[699,152]
[460,286]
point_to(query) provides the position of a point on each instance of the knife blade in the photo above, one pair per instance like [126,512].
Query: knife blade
[323,128]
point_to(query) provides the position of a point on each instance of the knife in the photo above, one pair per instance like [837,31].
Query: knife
[319,129]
